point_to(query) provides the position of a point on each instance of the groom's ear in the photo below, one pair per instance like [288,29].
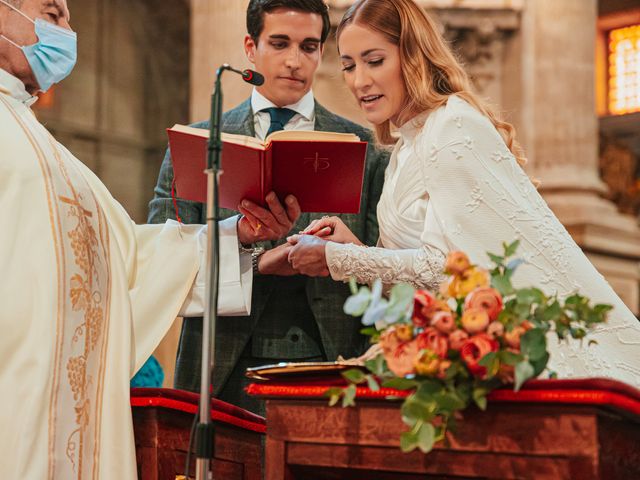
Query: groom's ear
[250,46]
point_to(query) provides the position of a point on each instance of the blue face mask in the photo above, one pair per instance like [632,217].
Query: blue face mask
[54,55]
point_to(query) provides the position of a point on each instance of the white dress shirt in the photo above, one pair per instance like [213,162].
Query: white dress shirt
[304,119]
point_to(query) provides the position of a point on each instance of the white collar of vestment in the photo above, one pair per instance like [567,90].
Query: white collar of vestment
[14,87]
[305,106]
[412,127]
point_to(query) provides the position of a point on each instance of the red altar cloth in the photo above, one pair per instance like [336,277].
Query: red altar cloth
[592,391]
[188,402]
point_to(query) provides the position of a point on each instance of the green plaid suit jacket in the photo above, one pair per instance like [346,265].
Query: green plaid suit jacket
[339,332]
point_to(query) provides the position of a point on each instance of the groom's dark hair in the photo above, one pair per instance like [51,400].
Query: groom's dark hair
[257,9]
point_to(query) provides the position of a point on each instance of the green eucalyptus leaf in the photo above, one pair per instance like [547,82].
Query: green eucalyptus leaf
[511,249]
[530,295]
[426,437]
[369,331]
[376,365]
[353,285]
[540,364]
[349,398]
[510,358]
[533,344]
[357,304]
[502,284]
[421,408]
[480,397]
[408,442]
[497,259]
[401,383]
[334,394]
[523,372]
[429,387]
[372,383]
[354,375]
[449,402]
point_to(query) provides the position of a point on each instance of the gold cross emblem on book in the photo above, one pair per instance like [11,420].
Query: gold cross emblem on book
[318,163]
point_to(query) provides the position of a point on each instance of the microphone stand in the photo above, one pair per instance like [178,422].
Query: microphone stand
[205,429]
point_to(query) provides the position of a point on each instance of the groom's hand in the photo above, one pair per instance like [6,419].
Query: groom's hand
[307,255]
[259,224]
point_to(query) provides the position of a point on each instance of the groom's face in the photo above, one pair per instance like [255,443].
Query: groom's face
[287,53]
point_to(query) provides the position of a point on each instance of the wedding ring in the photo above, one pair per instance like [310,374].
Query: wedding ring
[325,216]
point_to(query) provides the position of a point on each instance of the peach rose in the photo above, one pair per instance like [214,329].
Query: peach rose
[444,366]
[486,298]
[495,329]
[457,339]
[443,322]
[423,307]
[401,360]
[457,262]
[427,363]
[432,340]
[475,320]
[474,350]
[513,337]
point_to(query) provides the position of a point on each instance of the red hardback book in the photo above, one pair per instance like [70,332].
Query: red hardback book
[323,170]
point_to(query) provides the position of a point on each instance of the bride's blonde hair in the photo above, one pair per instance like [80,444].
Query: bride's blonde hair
[430,71]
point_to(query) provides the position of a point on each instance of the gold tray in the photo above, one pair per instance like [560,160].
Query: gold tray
[298,369]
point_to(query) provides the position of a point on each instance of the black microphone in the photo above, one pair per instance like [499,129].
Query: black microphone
[253,77]
[249,76]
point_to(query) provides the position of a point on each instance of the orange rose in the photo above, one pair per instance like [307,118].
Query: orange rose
[474,350]
[427,363]
[457,339]
[423,307]
[486,298]
[495,329]
[401,360]
[475,320]
[443,322]
[432,340]
[457,263]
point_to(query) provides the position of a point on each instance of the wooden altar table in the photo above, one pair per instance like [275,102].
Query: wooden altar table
[552,429]
[162,420]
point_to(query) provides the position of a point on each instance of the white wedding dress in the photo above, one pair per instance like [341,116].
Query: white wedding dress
[452,184]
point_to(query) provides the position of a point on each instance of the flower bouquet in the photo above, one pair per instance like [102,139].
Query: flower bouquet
[452,348]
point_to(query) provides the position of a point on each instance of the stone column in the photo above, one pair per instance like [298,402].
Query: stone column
[217,32]
[558,126]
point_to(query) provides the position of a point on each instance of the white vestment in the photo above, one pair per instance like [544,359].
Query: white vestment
[86,296]
[452,184]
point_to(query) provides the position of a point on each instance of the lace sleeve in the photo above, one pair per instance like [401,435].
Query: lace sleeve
[420,267]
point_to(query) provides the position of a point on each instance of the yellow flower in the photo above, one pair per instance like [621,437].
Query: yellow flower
[457,263]
[461,285]
[404,332]
[427,363]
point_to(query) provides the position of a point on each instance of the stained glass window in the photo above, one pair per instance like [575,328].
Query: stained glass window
[624,70]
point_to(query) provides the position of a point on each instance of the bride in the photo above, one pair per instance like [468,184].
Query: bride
[454,182]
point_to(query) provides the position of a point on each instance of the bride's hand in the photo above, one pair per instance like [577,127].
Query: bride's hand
[331,229]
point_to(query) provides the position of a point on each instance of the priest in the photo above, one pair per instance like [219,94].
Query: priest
[86,294]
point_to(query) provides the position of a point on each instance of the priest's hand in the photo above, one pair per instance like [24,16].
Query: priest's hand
[332,229]
[307,255]
[258,224]
[276,261]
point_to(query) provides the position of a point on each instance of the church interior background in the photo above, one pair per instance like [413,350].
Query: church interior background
[566,73]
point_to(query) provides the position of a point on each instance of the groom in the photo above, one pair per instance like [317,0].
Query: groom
[293,318]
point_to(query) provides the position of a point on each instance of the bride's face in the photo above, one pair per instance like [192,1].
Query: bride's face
[371,67]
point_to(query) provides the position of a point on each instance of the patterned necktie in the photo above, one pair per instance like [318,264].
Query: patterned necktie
[279,118]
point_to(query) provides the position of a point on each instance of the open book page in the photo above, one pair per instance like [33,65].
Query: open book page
[285,135]
[311,136]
